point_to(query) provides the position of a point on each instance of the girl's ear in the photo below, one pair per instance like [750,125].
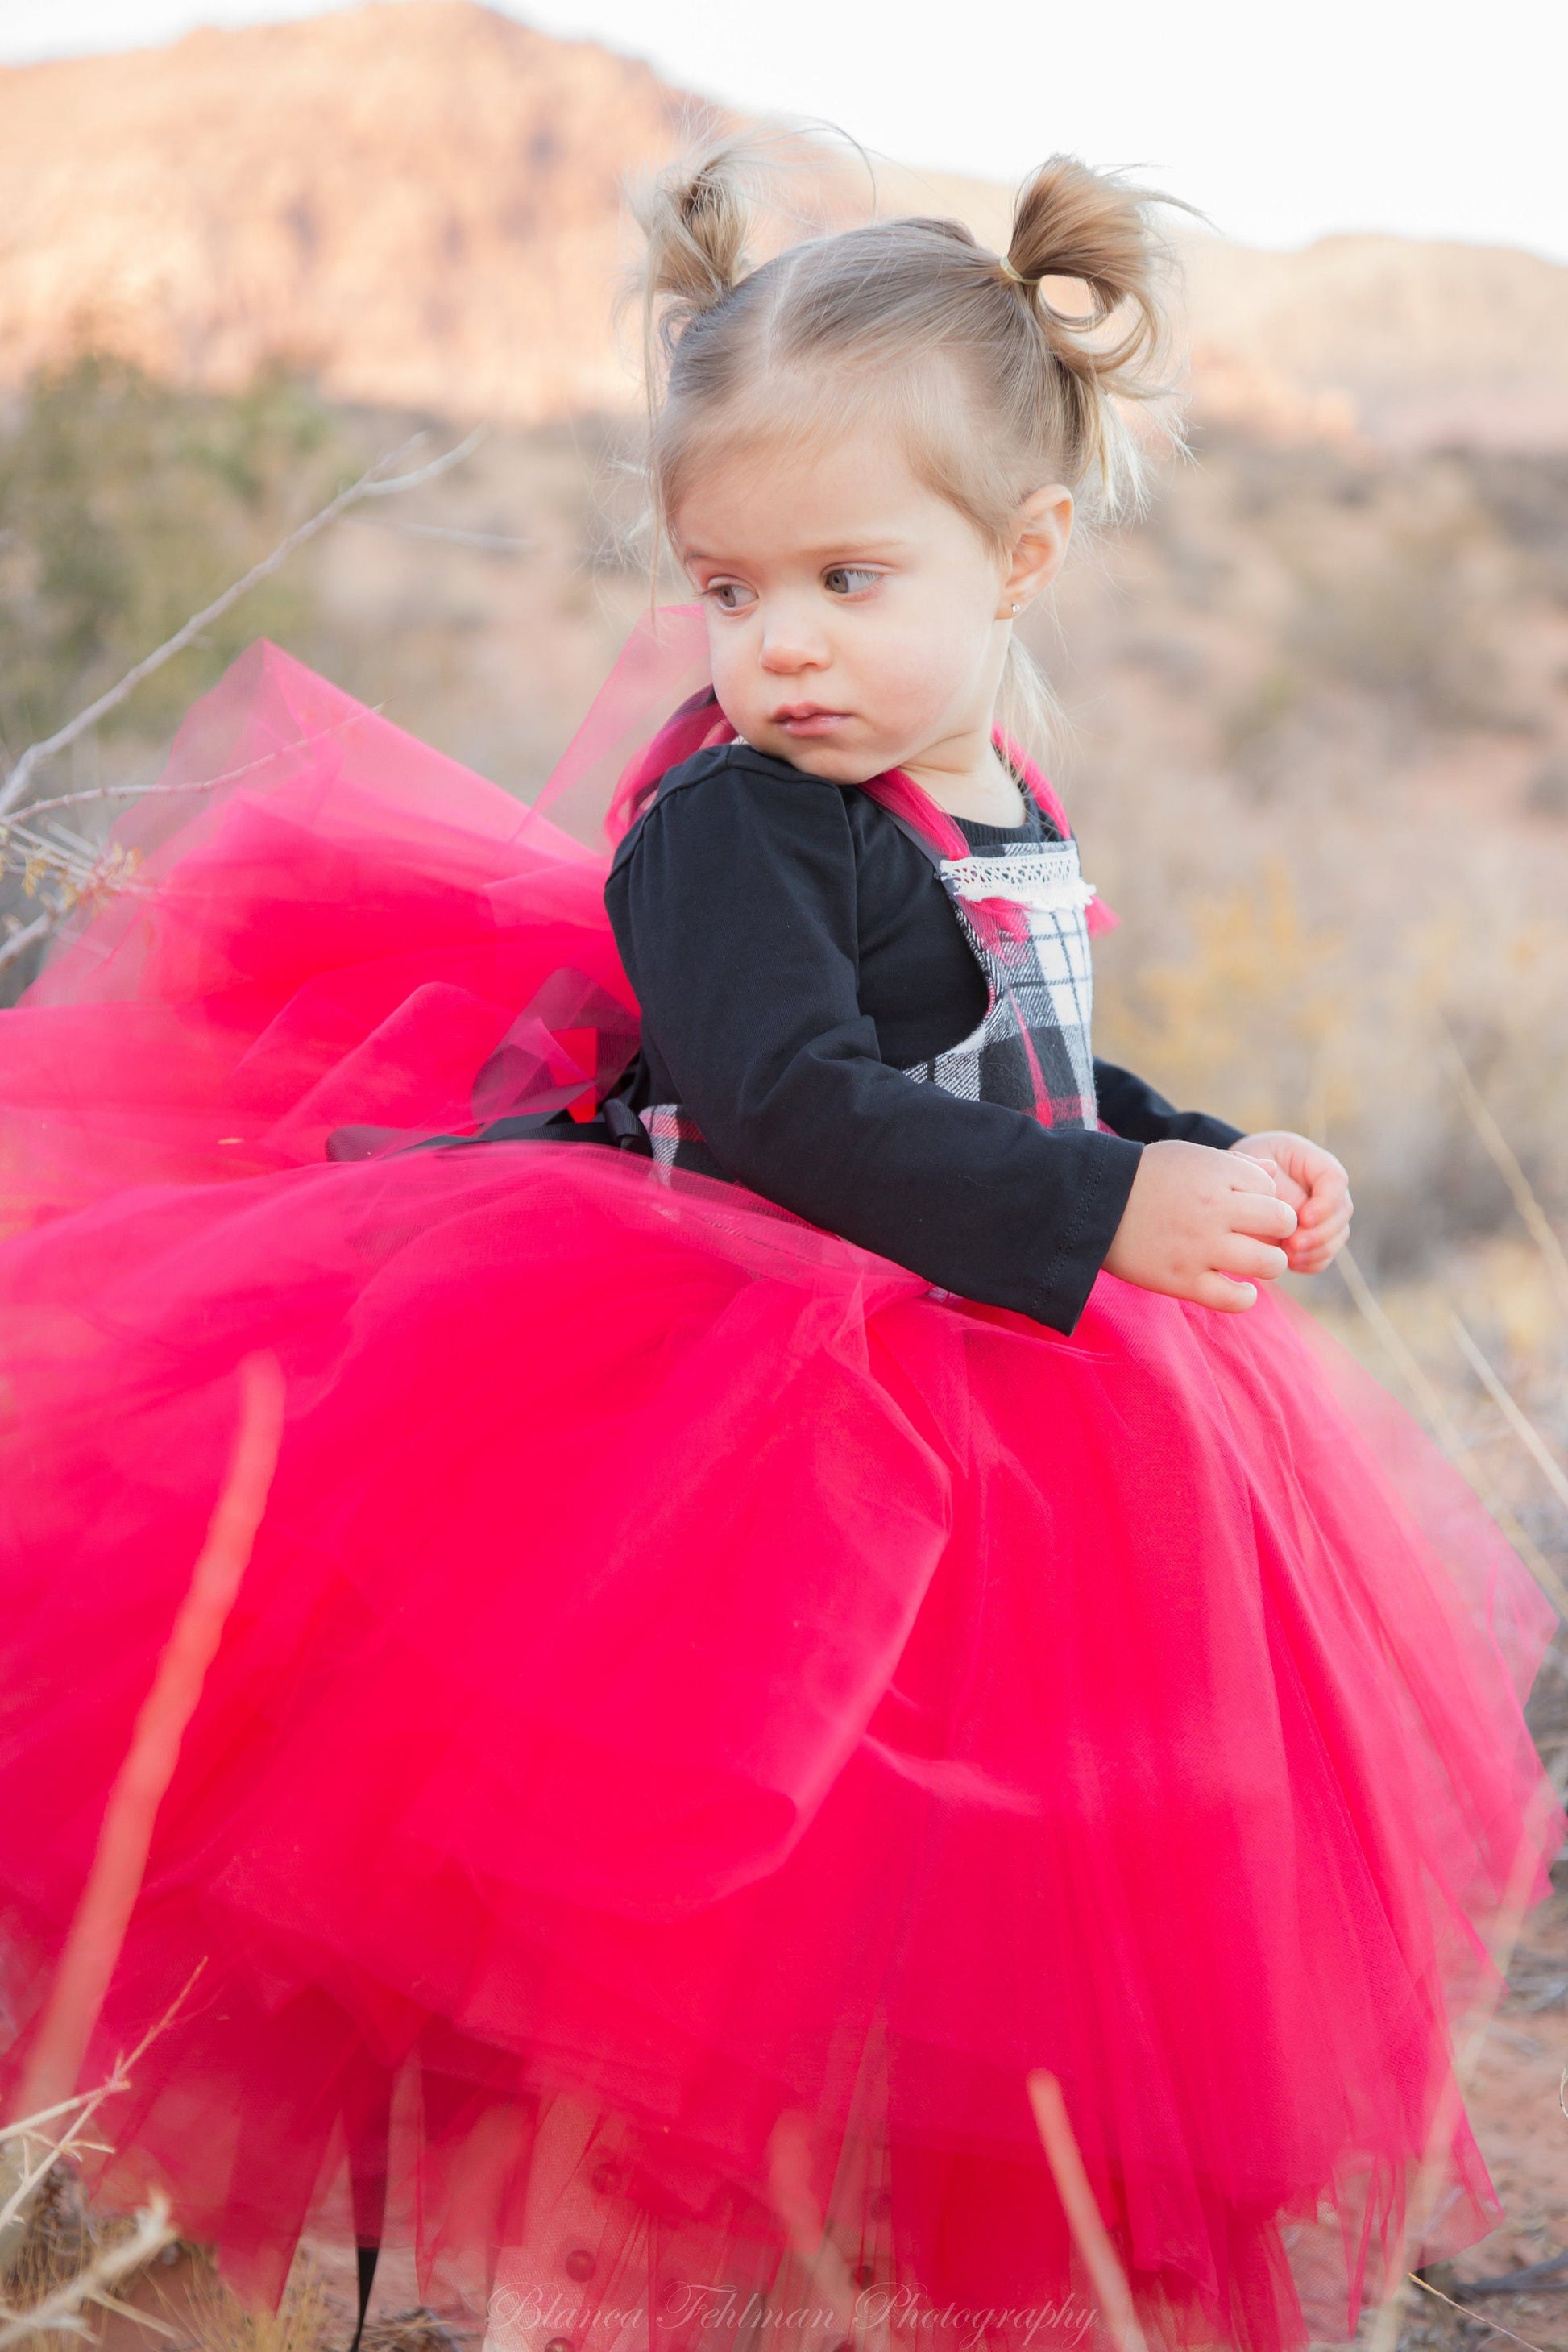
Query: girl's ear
[1041,530]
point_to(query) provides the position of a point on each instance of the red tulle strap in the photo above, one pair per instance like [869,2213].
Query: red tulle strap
[663,663]
[1035,781]
[698,724]
[1098,916]
[901,797]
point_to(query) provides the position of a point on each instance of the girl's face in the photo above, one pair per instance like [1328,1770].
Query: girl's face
[858,621]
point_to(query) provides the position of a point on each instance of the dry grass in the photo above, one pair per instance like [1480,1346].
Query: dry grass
[64,2263]
[126,2283]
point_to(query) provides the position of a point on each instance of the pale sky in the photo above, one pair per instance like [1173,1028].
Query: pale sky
[1281,122]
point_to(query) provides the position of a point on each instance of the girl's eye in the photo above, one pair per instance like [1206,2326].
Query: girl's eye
[849,579]
[728,595]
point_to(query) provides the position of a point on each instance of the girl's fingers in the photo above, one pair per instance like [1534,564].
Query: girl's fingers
[1226,1297]
[1262,1215]
[1322,1220]
[1320,1176]
[1326,1201]
[1252,1171]
[1260,1261]
[1318,1248]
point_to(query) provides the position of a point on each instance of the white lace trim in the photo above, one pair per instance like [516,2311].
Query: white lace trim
[1046,878]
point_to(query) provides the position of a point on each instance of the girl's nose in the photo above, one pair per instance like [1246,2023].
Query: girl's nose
[791,643]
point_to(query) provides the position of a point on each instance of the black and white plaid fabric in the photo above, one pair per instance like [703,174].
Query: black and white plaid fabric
[677,1140]
[1022,908]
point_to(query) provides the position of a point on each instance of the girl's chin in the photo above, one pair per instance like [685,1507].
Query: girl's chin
[829,756]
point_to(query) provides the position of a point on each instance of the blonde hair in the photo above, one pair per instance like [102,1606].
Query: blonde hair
[998,392]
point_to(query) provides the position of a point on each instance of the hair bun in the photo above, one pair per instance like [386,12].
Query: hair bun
[1074,222]
[696,217]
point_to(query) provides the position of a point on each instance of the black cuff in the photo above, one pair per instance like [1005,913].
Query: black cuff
[1197,1127]
[1062,1293]
[1131,1105]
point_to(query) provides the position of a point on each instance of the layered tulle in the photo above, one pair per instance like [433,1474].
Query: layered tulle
[350,929]
[705,1716]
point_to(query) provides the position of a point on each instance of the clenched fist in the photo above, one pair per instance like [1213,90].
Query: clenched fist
[1316,1186]
[1202,1224]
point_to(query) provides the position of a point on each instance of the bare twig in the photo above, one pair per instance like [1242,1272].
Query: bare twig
[98,874]
[106,2302]
[137,792]
[1521,2282]
[61,856]
[1496,2326]
[374,483]
[59,2313]
[198,783]
[98,1930]
[20,941]
[790,2190]
[83,2104]
[1524,1428]
[1443,1428]
[1084,2218]
[80,2108]
[488,539]
[24,2172]
[1505,1161]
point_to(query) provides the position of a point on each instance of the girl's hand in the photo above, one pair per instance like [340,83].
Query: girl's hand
[1317,1188]
[1202,1224]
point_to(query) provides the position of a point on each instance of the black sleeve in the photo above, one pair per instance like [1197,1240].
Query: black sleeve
[1132,1107]
[735,905]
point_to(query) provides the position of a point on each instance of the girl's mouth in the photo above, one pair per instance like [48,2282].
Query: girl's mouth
[808,718]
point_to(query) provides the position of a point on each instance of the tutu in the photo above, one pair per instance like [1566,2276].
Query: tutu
[705,1715]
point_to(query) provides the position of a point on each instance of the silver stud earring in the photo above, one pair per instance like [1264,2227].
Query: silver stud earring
[1017,608]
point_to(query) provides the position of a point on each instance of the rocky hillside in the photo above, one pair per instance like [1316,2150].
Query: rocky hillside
[421,202]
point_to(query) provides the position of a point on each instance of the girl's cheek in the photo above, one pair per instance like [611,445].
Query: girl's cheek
[919,686]
[732,674]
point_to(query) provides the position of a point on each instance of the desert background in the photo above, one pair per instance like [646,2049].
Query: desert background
[1315,702]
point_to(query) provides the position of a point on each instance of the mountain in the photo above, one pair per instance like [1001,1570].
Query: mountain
[1409,341]
[420,201]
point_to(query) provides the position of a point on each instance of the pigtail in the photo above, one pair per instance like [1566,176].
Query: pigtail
[696,216]
[1092,228]
[1070,222]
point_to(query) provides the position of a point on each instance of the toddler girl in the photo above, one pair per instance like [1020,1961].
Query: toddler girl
[867,461]
[810,1584]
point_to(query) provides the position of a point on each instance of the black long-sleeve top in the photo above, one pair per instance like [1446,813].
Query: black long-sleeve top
[792,951]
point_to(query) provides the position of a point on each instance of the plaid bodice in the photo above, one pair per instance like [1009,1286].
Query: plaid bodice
[1022,908]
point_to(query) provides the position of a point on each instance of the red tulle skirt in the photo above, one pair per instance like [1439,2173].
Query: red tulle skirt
[705,1716]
